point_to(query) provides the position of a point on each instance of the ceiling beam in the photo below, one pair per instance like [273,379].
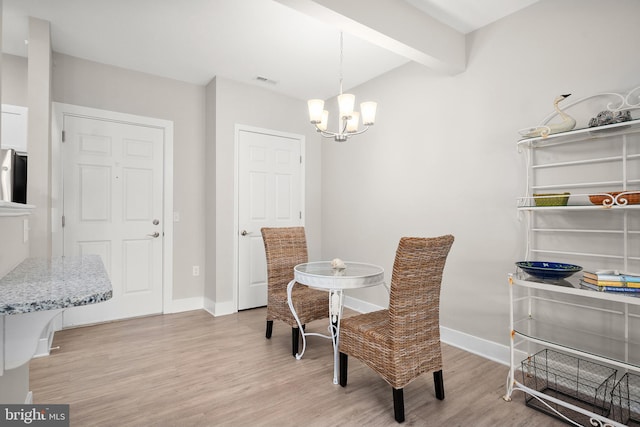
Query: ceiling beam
[394,25]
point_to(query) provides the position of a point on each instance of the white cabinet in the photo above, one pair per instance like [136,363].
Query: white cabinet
[14,128]
[594,230]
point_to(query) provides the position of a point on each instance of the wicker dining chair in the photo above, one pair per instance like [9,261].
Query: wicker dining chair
[286,247]
[403,341]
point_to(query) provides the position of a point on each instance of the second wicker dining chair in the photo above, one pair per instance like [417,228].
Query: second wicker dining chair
[402,342]
[286,247]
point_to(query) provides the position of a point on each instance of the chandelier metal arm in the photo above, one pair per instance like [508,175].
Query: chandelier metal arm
[344,126]
[340,137]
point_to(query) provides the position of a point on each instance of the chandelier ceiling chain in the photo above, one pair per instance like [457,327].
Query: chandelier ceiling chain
[348,117]
[341,60]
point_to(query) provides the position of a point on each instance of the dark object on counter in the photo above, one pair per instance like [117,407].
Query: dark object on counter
[13,176]
[607,117]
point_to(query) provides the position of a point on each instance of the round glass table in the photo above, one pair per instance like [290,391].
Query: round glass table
[321,275]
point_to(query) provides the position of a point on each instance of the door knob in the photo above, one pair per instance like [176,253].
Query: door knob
[154,235]
[245,232]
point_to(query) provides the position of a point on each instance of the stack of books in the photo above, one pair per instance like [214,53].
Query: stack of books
[611,281]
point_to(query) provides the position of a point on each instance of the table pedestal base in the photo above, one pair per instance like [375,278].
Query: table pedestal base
[335,313]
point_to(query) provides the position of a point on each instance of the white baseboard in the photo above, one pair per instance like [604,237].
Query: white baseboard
[219,309]
[223,308]
[209,306]
[185,304]
[488,349]
[476,345]
[360,306]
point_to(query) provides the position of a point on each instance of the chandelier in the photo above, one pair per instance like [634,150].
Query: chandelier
[349,119]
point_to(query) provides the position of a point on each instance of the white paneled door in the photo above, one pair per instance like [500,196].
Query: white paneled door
[112,190]
[270,194]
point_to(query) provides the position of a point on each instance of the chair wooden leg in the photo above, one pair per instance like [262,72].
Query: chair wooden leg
[344,365]
[398,404]
[439,383]
[269,328]
[295,339]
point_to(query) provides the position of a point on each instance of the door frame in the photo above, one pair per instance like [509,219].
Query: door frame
[59,110]
[236,192]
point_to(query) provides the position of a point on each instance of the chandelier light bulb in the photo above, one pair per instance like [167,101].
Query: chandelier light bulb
[346,102]
[352,123]
[322,126]
[316,107]
[368,111]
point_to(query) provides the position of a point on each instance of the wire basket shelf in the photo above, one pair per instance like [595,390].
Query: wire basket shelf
[578,381]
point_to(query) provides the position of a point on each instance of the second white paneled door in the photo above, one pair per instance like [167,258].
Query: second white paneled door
[270,194]
[113,207]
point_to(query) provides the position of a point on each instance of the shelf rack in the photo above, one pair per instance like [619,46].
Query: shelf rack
[597,326]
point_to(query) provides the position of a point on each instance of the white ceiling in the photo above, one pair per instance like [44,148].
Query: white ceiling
[195,40]
[469,15]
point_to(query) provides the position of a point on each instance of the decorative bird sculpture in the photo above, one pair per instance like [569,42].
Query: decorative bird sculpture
[566,124]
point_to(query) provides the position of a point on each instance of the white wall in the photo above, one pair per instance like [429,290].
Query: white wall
[81,82]
[232,103]
[442,157]
[14,80]
[38,136]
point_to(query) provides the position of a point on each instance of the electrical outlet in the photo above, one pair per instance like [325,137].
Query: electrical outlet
[196,270]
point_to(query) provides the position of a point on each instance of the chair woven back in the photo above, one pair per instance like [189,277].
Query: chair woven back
[285,247]
[414,301]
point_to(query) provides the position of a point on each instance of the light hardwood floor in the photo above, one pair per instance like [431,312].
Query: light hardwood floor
[191,369]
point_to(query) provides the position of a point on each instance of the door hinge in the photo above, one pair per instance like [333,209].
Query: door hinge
[63,221]
[300,159]
[300,214]
[63,136]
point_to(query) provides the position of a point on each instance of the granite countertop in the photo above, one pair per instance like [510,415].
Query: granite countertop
[48,284]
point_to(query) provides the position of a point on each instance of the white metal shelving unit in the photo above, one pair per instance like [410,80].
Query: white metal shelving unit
[598,326]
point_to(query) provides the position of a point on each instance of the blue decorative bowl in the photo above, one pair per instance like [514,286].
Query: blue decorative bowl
[547,270]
